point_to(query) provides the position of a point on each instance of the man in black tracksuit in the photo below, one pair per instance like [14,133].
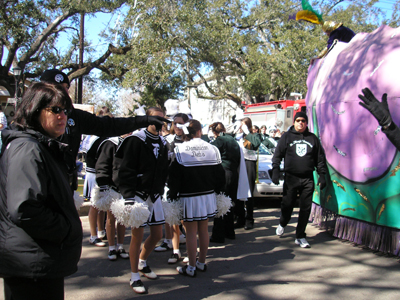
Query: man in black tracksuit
[302,153]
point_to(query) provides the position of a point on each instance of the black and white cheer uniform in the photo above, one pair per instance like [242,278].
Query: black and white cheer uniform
[194,177]
[143,159]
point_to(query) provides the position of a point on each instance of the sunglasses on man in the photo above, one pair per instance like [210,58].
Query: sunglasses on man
[301,120]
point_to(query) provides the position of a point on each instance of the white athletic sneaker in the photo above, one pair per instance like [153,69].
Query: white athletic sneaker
[97,242]
[280,230]
[122,253]
[184,271]
[302,243]
[112,255]
[148,273]
[137,286]
[175,257]
[163,247]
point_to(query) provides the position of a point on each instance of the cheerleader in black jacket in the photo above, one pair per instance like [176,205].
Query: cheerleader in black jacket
[143,160]
[174,231]
[96,217]
[194,177]
[104,179]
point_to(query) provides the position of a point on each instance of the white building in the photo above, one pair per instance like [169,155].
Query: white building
[209,111]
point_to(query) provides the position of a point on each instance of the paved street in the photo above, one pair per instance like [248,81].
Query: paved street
[257,265]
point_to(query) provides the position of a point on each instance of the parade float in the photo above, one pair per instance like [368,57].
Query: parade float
[361,203]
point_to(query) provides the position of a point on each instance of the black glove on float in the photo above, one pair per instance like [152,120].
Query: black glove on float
[379,110]
[144,121]
[321,181]
[275,176]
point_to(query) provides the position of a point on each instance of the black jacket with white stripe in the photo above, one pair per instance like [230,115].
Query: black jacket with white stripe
[143,160]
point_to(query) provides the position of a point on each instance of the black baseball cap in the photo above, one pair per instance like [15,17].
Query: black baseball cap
[54,76]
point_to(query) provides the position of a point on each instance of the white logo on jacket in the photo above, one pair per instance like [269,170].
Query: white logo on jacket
[71,122]
[156,149]
[301,149]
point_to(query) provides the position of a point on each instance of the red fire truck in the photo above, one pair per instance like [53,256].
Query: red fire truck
[279,113]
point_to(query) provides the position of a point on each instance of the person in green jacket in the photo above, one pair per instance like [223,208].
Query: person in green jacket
[250,142]
[230,155]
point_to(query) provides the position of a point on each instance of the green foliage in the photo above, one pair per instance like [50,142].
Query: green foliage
[251,41]
[156,94]
[30,29]
[249,48]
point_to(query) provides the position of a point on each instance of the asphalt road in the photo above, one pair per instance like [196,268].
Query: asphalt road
[256,265]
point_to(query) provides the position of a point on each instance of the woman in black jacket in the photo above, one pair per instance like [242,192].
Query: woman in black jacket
[40,229]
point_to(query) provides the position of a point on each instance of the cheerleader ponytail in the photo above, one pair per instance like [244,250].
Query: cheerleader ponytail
[193,128]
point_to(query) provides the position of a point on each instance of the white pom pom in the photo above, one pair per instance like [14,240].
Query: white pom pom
[130,215]
[224,204]
[102,200]
[173,211]
[78,200]
[94,194]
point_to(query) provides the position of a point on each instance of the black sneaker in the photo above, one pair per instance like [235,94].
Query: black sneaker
[147,272]
[174,258]
[138,287]
[97,242]
[163,247]
[112,255]
[184,271]
[122,253]
[249,225]
[199,268]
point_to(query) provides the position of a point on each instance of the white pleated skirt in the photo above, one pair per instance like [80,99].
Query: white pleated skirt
[156,211]
[90,183]
[199,208]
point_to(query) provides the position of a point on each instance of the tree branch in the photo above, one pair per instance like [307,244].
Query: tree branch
[50,29]
[87,67]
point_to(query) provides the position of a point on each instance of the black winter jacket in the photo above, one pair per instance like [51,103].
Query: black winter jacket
[81,122]
[40,229]
[302,153]
[140,172]
[105,167]
[196,180]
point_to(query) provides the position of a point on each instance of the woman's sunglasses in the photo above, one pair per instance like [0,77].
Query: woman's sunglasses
[57,110]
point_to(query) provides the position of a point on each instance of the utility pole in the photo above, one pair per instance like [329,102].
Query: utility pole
[188,81]
[81,49]
[76,83]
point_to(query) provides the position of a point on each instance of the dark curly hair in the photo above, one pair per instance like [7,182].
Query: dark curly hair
[38,96]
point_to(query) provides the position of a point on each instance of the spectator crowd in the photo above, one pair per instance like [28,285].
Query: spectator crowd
[150,170]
